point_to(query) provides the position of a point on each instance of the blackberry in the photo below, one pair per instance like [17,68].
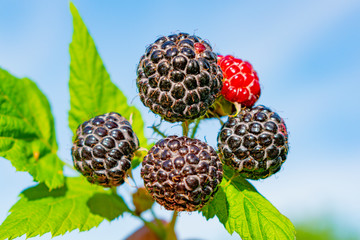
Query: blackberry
[181,173]
[255,142]
[103,149]
[178,77]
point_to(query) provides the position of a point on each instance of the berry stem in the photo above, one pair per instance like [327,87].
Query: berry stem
[171,227]
[195,128]
[185,128]
[238,109]
[173,219]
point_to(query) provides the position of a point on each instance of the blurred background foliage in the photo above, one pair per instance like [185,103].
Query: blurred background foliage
[324,228]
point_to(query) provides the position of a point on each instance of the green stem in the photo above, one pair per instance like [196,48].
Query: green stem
[171,227]
[156,130]
[185,128]
[195,128]
[173,219]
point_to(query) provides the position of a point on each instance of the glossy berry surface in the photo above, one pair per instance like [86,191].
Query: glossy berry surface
[181,173]
[103,149]
[241,83]
[254,143]
[178,77]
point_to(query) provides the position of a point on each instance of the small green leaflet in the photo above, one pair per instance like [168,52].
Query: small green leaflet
[91,91]
[76,205]
[242,209]
[139,156]
[27,133]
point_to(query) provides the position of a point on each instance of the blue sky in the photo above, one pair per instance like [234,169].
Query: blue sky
[307,55]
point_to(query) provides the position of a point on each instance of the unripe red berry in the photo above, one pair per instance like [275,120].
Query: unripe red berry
[241,83]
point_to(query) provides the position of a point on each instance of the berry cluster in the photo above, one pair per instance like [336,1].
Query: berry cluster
[180,78]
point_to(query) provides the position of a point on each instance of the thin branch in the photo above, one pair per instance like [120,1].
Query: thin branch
[195,128]
[173,219]
[185,128]
[171,227]
[157,130]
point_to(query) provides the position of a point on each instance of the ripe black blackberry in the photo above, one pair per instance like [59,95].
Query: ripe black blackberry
[255,142]
[181,173]
[103,149]
[178,77]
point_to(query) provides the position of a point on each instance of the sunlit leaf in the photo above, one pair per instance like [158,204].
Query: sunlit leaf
[91,91]
[27,133]
[241,209]
[76,205]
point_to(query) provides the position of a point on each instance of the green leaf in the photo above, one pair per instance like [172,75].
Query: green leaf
[107,206]
[76,205]
[240,208]
[91,91]
[27,133]
[139,156]
[217,207]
